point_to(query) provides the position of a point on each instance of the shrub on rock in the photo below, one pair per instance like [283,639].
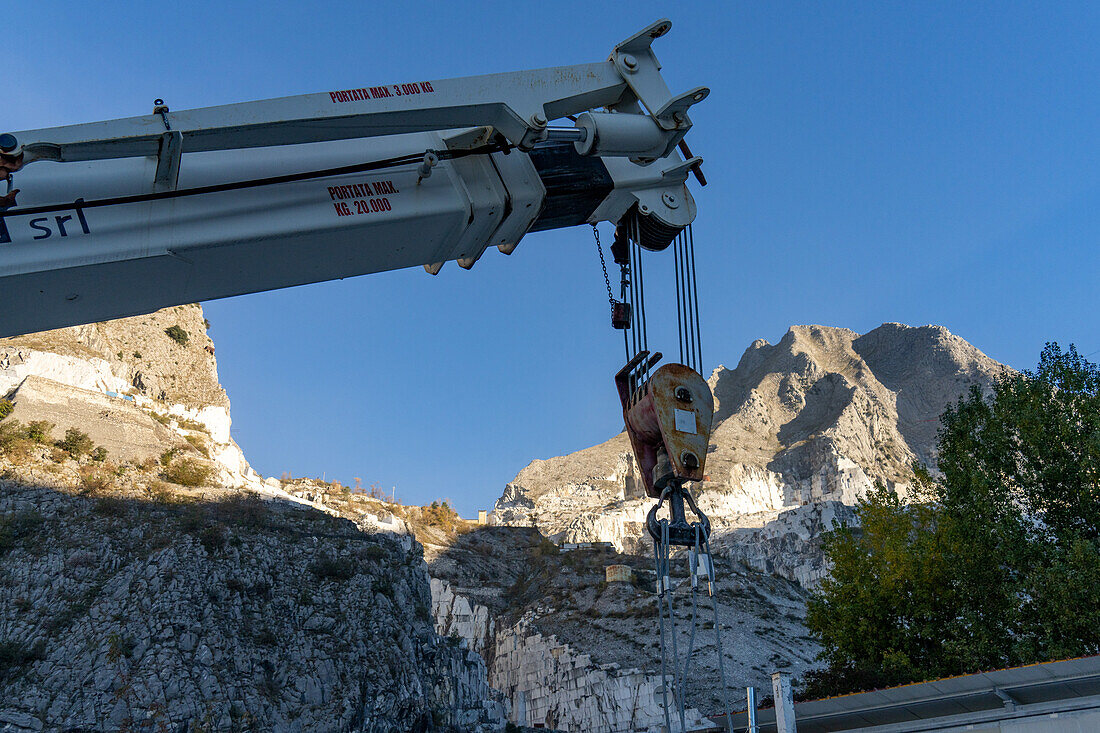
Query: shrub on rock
[77,443]
[178,335]
[188,472]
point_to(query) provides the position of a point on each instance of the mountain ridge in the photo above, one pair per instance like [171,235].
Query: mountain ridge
[821,416]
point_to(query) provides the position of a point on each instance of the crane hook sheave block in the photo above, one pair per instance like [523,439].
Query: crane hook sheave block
[668,419]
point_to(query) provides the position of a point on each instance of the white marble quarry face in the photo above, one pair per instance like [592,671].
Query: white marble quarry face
[133,370]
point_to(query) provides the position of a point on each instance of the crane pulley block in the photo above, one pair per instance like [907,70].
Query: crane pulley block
[668,418]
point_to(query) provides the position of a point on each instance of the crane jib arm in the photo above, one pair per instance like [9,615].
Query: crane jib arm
[118,218]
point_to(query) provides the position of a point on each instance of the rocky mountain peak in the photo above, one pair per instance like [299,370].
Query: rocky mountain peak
[138,386]
[165,355]
[820,416]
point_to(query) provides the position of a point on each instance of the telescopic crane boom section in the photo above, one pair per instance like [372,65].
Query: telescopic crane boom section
[118,218]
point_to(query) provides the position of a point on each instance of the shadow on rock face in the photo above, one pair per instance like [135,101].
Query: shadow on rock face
[219,610]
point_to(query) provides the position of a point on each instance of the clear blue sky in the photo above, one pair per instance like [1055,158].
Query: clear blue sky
[914,162]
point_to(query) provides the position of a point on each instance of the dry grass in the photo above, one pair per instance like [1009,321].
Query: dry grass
[188,472]
[96,478]
[199,444]
[188,424]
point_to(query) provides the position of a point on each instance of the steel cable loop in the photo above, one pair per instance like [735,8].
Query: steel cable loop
[688,287]
[636,323]
[688,301]
[624,296]
[640,312]
[626,344]
[642,335]
[636,316]
[693,566]
[635,342]
[679,296]
[640,276]
[661,622]
[666,547]
[683,301]
[677,254]
[718,641]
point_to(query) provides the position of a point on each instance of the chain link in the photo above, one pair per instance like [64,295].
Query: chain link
[603,264]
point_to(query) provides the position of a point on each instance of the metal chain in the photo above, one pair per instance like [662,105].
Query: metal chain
[603,265]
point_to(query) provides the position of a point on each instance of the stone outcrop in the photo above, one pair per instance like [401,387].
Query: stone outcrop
[822,416]
[125,430]
[455,616]
[111,379]
[553,685]
[130,603]
[145,606]
[226,613]
[548,683]
[572,651]
[128,354]
[787,546]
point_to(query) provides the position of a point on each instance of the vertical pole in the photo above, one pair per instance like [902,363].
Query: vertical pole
[784,702]
[750,701]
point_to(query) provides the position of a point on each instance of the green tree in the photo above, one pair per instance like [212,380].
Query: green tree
[994,562]
[76,443]
[38,431]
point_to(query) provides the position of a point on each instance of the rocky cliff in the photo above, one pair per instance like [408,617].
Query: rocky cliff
[157,581]
[819,417]
[137,386]
[150,580]
[802,429]
[217,610]
[572,651]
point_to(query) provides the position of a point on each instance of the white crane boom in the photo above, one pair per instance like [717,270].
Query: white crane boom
[124,217]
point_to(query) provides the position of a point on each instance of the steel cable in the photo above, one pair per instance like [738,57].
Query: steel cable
[661,622]
[685,274]
[672,622]
[636,321]
[718,640]
[679,297]
[695,293]
[693,565]
[688,300]
[641,305]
